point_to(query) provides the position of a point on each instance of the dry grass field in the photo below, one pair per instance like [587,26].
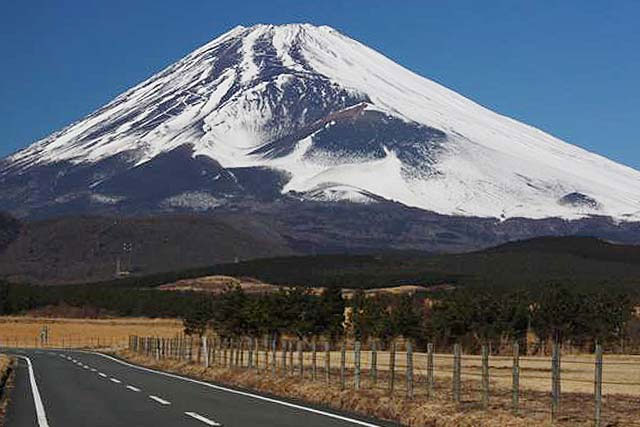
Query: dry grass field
[69,333]
[621,375]
[5,362]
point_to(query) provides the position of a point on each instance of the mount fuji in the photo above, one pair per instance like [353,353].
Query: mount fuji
[301,113]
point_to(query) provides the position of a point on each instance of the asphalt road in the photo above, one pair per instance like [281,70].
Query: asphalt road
[78,389]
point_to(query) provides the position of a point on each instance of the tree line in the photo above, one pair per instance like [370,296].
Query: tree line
[113,300]
[472,318]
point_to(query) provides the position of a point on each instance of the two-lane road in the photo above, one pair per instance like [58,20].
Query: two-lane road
[78,389]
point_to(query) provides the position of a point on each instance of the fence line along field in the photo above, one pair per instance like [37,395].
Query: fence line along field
[62,332]
[481,381]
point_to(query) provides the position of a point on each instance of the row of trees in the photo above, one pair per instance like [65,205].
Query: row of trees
[470,317]
[113,300]
[298,312]
[553,314]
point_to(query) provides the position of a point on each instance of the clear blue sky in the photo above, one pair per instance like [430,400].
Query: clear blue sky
[571,68]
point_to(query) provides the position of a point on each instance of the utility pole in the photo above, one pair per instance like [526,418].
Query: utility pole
[127,248]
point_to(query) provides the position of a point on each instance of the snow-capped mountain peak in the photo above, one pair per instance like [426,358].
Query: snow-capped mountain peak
[313,112]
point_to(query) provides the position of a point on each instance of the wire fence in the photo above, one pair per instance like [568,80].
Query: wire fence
[593,389]
[577,389]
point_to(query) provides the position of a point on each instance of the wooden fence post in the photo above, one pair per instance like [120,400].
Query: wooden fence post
[285,348]
[409,370]
[457,364]
[292,366]
[274,349]
[373,368]
[327,362]
[241,347]
[430,379]
[485,376]
[225,353]
[266,353]
[598,386]
[300,358]
[183,344]
[205,350]
[256,358]
[356,362]
[314,367]
[392,366]
[515,382]
[343,360]
[555,381]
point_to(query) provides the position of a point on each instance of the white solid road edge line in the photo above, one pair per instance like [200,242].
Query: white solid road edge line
[42,416]
[241,393]
[159,400]
[205,420]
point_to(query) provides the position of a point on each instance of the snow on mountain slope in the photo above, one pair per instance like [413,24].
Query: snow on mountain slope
[329,112]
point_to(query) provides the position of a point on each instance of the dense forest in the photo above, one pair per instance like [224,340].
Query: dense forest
[116,300]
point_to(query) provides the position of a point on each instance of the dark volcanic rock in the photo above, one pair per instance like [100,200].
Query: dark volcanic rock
[579,200]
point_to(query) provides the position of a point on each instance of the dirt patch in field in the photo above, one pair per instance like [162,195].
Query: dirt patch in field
[219,284]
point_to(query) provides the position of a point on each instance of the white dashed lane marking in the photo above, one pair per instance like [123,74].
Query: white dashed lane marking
[132,388]
[102,375]
[200,418]
[160,400]
[115,380]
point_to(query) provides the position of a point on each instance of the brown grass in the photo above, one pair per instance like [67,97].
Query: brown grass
[25,331]
[372,402]
[577,401]
[620,372]
[5,363]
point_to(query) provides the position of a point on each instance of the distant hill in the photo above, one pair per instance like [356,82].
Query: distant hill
[359,251]
[86,249]
[577,261]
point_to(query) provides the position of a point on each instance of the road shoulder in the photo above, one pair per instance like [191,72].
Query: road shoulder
[7,369]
